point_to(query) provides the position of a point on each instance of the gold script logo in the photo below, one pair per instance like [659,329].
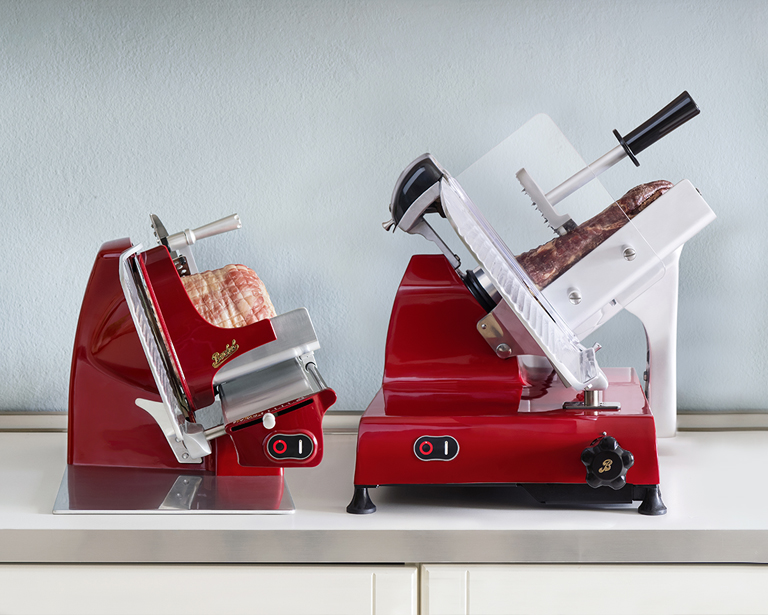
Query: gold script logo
[219,358]
[606,466]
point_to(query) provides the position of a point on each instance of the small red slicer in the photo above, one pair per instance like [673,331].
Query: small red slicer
[487,376]
[147,366]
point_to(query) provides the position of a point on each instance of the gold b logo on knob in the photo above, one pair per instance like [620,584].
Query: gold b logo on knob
[606,466]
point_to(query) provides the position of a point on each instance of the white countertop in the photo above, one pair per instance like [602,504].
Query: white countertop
[715,515]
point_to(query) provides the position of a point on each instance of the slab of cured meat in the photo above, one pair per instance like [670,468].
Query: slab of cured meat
[549,261]
[230,297]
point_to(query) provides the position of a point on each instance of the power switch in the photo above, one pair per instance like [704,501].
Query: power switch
[436,448]
[290,446]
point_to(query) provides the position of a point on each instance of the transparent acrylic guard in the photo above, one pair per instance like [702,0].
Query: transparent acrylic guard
[604,278]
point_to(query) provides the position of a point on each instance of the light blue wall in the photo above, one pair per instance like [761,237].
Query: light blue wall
[301,115]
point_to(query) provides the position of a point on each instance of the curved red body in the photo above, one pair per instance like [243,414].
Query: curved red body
[109,372]
[442,381]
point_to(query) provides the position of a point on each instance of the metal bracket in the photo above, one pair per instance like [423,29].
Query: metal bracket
[593,400]
[191,447]
[182,494]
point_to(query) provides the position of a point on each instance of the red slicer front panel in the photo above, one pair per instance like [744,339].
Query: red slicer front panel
[196,343]
[434,353]
[542,446]
[295,441]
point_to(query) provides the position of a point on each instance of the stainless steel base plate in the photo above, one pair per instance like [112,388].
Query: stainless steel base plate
[131,491]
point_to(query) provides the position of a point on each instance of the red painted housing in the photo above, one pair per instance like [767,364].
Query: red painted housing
[109,372]
[441,378]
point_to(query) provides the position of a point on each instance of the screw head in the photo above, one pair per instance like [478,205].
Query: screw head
[504,351]
[629,253]
[574,296]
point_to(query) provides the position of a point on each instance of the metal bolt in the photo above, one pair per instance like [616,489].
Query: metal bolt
[483,326]
[574,296]
[503,351]
[185,456]
[629,253]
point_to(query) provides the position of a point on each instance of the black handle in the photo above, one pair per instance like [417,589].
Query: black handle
[675,114]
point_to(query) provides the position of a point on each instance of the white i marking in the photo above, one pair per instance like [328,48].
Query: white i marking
[299,446]
[446,448]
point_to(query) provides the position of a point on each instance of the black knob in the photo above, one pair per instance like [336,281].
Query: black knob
[675,114]
[607,463]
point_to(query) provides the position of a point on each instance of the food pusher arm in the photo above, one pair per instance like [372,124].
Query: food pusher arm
[189,236]
[675,114]
[182,241]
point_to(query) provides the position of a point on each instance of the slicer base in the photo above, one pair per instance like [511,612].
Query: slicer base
[555,493]
[584,494]
[132,491]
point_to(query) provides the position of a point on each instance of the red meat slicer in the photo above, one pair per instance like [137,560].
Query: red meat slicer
[145,362]
[486,380]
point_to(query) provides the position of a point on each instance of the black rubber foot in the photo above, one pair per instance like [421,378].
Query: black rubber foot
[652,503]
[361,502]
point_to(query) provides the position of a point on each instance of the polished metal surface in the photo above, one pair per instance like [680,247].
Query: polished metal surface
[487,285]
[188,237]
[295,337]
[185,440]
[182,493]
[593,400]
[315,373]
[560,223]
[265,389]
[180,244]
[215,432]
[127,491]
[273,374]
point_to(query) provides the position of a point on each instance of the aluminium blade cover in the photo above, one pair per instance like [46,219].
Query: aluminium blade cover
[575,363]
[184,435]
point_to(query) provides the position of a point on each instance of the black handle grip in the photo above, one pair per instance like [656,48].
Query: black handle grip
[675,114]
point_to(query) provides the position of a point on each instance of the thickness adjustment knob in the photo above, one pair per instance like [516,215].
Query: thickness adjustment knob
[607,463]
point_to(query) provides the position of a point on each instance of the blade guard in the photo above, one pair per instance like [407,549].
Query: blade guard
[522,305]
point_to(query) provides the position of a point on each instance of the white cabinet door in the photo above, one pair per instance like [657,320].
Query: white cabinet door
[593,588]
[41,589]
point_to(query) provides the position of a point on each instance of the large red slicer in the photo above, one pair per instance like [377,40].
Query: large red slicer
[487,376]
[147,368]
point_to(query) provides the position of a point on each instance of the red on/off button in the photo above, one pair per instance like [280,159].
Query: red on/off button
[279,446]
[426,447]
